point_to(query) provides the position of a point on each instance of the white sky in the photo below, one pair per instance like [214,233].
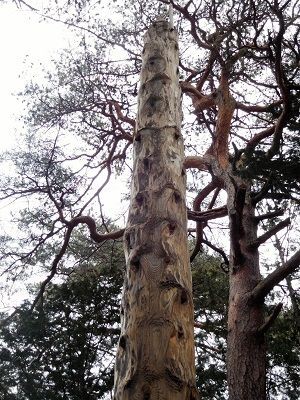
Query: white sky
[26,44]
[23,37]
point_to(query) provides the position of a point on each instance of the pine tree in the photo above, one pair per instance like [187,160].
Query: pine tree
[240,78]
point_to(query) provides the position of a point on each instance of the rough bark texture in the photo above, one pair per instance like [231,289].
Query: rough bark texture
[246,370]
[246,364]
[155,356]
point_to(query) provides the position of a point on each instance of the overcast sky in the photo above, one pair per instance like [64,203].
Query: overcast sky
[26,44]
[24,39]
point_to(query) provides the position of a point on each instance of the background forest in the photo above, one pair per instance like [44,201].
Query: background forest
[65,348]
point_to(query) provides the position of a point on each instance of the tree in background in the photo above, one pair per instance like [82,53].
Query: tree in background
[240,78]
[65,347]
[65,350]
[57,351]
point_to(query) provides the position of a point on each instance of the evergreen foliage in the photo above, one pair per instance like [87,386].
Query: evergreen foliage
[64,349]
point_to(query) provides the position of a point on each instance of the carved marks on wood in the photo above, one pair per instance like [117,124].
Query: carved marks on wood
[156,352]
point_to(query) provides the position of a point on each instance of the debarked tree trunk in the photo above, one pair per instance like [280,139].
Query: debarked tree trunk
[155,355]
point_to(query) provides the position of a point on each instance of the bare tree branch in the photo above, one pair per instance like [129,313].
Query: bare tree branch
[54,266]
[91,224]
[201,163]
[97,237]
[264,287]
[218,250]
[270,320]
[200,101]
[263,238]
[258,137]
[272,214]
[199,226]
[257,108]
[207,215]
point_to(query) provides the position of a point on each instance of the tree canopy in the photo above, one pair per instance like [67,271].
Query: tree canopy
[81,118]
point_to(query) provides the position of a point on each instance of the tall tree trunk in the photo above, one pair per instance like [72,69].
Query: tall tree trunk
[246,364]
[155,356]
[246,369]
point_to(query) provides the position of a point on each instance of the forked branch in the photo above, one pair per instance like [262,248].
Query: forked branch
[54,266]
[199,226]
[95,236]
[200,101]
[270,320]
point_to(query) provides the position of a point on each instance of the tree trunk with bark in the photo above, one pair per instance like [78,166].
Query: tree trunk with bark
[246,370]
[155,356]
[246,355]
